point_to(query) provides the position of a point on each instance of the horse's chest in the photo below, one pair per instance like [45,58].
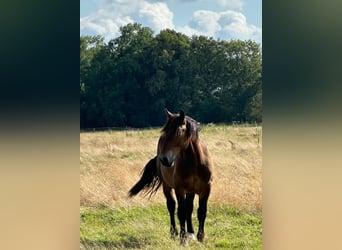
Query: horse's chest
[167,173]
[189,184]
[175,179]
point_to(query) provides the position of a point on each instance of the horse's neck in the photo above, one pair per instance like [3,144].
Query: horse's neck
[196,148]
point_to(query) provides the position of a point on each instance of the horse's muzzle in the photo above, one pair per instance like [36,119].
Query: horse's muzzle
[167,162]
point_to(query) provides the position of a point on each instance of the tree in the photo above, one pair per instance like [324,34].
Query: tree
[131,67]
[129,80]
[243,69]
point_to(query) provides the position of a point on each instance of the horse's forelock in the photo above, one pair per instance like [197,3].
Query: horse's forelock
[192,126]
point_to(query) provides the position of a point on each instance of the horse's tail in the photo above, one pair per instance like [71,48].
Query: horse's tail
[150,180]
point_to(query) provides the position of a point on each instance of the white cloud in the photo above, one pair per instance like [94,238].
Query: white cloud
[107,20]
[104,23]
[86,23]
[225,25]
[158,15]
[206,21]
[116,13]
[234,24]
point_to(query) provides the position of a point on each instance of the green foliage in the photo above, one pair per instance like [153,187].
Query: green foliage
[129,80]
[148,228]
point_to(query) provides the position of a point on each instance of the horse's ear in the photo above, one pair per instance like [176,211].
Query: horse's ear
[169,114]
[181,114]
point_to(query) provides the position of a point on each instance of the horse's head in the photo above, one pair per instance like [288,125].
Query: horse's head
[176,136]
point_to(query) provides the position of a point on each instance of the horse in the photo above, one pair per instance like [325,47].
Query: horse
[182,164]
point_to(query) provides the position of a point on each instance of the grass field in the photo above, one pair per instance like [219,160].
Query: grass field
[147,228]
[111,162]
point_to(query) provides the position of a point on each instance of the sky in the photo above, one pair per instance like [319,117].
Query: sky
[220,19]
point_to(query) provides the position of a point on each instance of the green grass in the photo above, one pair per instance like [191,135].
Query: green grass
[148,228]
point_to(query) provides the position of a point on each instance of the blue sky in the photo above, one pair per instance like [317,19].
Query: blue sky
[220,19]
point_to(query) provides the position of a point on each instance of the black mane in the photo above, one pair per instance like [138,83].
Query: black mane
[193,126]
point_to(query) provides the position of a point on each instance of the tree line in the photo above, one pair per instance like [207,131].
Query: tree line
[129,80]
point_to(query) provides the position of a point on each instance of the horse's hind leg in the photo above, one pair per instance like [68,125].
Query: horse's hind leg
[171,207]
[202,213]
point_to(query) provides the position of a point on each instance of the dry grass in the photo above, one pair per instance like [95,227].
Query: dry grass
[111,162]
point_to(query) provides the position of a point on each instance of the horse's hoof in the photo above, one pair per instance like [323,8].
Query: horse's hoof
[174,233]
[183,239]
[200,237]
[190,236]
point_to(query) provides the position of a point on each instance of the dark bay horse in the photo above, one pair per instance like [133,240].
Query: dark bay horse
[182,164]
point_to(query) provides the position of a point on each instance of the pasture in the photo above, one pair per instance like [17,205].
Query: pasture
[111,162]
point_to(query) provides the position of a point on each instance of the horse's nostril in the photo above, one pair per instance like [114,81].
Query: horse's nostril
[165,161]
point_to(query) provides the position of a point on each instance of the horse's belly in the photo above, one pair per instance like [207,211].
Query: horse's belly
[193,185]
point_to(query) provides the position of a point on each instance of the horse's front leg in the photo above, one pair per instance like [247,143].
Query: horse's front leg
[189,205]
[181,212]
[202,213]
[171,207]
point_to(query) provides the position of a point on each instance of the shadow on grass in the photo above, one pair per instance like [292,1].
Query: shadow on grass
[126,241]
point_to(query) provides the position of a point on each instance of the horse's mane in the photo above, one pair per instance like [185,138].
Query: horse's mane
[193,128]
